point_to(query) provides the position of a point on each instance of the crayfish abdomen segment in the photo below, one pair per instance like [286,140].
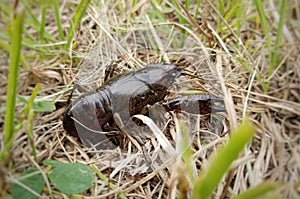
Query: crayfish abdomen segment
[89,114]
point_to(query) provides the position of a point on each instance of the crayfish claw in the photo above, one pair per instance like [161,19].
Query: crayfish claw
[195,104]
[216,99]
[216,108]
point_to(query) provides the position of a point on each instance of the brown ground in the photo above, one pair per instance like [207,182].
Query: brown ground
[226,65]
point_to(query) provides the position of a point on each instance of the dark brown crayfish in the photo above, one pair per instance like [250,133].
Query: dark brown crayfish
[95,112]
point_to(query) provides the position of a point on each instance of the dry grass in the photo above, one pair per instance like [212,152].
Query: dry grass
[224,64]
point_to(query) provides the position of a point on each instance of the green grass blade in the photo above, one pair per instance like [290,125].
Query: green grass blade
[257,192]
[58,20]
[180,16]
[107,182]
[34,22]
[187,4]
[262,16]
[221,9]
[242,6]
[28,127]
[31,99]
[211,177]
[197,9]
[133,4]
[266,31]
[275,54]
[79,12]
[43,20]
[186,150]
[16,29]
[156,12]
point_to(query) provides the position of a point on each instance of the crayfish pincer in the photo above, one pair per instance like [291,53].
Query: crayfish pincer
[95,115]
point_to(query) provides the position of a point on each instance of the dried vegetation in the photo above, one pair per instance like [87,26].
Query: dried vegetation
[228,56]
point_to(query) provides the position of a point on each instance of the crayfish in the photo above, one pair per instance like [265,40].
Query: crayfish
[94,115]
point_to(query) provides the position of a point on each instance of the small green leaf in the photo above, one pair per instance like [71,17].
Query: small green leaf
[30,184]
[43,106]
[39,106]
[72,178]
